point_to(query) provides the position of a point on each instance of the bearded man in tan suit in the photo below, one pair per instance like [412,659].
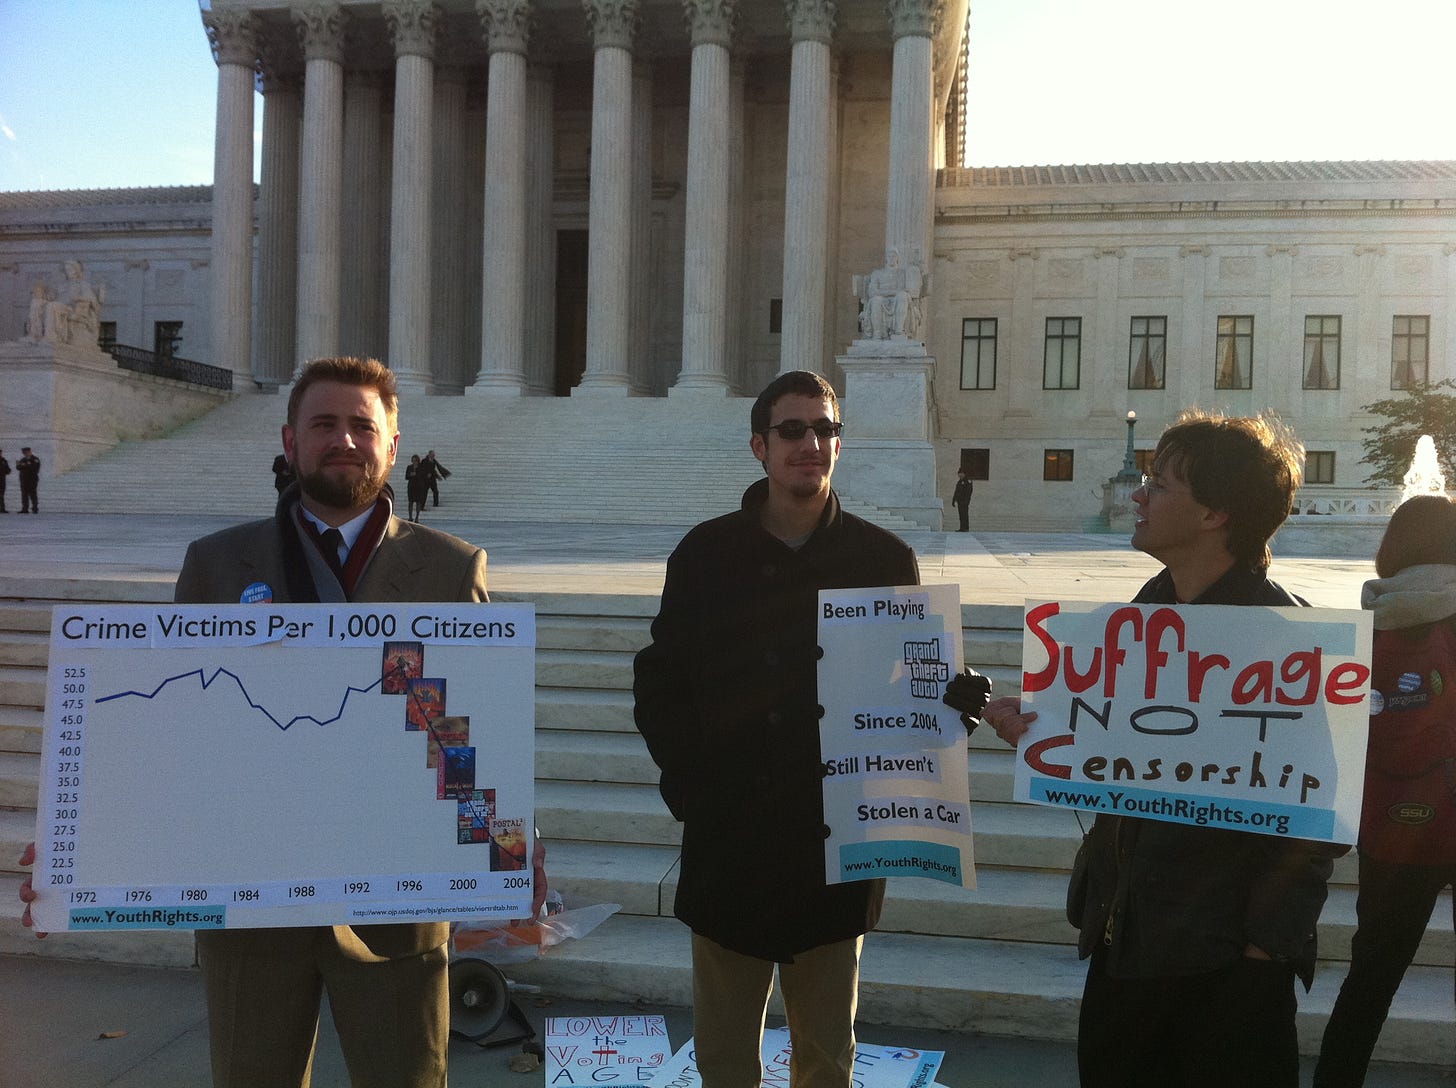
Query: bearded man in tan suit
[387,984]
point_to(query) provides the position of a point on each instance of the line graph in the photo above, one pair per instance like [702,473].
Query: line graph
[208,681]
[296,781]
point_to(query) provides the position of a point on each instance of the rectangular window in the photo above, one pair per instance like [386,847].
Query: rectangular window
[976,463]
[1146,353]
[106,335]
[1056,465]
[1410,351]
[1322,352]
[1062,360]
[1233,359]
[775,316]
[1319,467]
[978,353]
[166,338]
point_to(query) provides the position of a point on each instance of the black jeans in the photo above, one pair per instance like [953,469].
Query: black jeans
[1392,911]
[1225,1028]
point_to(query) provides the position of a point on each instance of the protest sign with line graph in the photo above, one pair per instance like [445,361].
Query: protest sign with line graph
[247,765]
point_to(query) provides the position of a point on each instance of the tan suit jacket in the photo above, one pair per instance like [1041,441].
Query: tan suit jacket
[412,563]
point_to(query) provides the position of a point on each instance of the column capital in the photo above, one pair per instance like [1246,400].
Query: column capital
[612,22]
[914,18]
[413,26]
[279,62]
[506,24]
[233,36]
[320,30]
[710,22]
[811,20]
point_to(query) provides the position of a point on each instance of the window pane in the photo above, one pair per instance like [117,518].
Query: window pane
[1322,352]
[1061,361]
[1147,347]
[1056,465]
[1234,355]
[978,353]
[1409,350]
[1319,467]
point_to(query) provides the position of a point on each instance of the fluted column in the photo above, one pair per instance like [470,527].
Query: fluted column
[362,329]
[640,368]
[609,252]
[913,24]
[503,279]
[235,47]
[540,229]
[452,300]
[705,254]
[412,26]
[276,327]
[806,187]
[321,30]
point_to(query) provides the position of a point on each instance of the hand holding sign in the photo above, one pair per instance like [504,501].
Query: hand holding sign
[968,693]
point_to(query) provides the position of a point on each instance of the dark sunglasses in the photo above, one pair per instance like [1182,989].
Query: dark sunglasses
[794,429]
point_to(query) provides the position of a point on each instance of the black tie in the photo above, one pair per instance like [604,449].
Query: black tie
[330,541]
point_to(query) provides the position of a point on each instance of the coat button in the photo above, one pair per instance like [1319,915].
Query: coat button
[775,718]
[771,659]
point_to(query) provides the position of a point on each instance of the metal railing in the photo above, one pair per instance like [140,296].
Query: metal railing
[169,366]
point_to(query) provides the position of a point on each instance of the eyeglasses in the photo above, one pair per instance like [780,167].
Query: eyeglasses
[794,429]
[1152,487]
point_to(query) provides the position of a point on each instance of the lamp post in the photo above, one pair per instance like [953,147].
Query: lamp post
[1129,458]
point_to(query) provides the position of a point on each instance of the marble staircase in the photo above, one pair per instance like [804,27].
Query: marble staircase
[997,959]
[662,460]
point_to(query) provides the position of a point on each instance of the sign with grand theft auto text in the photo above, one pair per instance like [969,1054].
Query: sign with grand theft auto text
[896,782]
[1247,718]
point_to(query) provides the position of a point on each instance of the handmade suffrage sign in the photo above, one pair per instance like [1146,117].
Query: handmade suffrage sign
[223,766]
[896,789]
[605,1049]
[1235,717]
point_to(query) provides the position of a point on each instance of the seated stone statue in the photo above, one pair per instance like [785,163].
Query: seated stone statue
[74,315]
[890,299]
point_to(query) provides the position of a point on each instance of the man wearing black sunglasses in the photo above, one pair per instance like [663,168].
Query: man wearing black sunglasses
[727,700]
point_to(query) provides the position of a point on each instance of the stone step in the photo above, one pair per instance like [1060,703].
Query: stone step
[592,633]
[602,756]
[580,708]
[24,649]
[21,729]
[22,687]
[958,983]
[19,780]
[584,669]
[1021,835]
[26,617]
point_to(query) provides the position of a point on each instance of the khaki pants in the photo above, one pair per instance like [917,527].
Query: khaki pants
[392,1015]
[730,997]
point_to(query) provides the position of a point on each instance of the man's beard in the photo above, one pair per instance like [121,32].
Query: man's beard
[342,494]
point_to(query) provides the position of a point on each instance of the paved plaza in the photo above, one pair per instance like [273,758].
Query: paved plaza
[533,557]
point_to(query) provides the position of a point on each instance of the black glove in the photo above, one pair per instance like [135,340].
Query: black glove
[969,692]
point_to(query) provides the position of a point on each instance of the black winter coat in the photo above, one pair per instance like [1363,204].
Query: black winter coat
[726,698]
[1185,899]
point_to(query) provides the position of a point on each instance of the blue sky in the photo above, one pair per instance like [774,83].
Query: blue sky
[102,93]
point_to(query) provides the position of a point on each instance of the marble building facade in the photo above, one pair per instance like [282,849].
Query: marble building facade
[678,199]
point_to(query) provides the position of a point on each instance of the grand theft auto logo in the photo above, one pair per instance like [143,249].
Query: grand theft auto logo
[927,671]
